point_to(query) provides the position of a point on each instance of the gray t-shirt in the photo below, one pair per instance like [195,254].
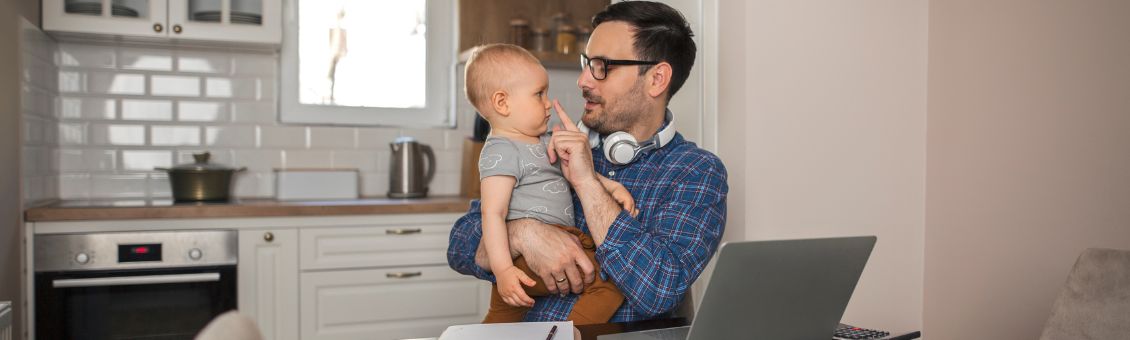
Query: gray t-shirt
[540,190]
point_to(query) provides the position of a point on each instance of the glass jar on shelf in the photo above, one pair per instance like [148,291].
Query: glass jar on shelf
[566,39]
[540,40]
[520,33]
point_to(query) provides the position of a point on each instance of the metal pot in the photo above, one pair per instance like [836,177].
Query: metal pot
[201,181]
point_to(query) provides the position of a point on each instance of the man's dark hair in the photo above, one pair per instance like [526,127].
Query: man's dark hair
[662,34]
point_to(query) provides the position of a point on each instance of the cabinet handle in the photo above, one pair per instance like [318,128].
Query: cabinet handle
[177,29]
[268,236]
[158,28]
[403,275]
[403,231]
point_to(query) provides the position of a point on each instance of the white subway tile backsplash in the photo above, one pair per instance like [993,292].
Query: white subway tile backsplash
[116,83]
[375,138]
[374,184]
[146,160]
[93,160]
[230,136]
[254,64]
[222,157]
[145,59]
[86,108]
[181,86]
[333,138]
[74,186]
[125,110]
[86,56]
[117,134]
[144,109]
[448,161]
[254,112]
[365,161]
[72,133]
[237,88]
[119,185]
[257,160]
[202,62]
[284,137]
[72,81]
[432,137]
[307,159]
[255,184]
[174,135]
[196,111]
[158,185]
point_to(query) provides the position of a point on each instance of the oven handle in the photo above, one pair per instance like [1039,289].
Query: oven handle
[135,280]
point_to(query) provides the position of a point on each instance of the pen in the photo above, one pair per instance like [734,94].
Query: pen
[552,331]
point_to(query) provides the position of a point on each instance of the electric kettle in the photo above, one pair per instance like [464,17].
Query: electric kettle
[408,176]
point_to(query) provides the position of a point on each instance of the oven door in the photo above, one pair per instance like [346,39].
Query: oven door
[167,303]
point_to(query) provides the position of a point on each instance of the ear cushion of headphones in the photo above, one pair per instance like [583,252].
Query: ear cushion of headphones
[620,148]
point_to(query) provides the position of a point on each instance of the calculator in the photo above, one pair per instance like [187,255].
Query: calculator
[845,332]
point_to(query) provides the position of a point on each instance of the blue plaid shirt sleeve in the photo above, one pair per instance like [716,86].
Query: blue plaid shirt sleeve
[464,243]
[655,261]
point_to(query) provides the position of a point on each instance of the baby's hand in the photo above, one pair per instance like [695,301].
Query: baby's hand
[622,196]
[510,282]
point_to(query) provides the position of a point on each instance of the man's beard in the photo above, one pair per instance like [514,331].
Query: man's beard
[629,110]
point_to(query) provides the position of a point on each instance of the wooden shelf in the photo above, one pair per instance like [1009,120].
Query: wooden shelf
[555,61]
[488,21]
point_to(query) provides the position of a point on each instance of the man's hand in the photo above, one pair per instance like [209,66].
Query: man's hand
[571,146]
[552,254]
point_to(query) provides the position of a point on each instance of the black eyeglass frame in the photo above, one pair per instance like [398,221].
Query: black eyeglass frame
[585,61]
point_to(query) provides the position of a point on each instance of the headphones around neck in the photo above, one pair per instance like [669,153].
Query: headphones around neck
[621,148]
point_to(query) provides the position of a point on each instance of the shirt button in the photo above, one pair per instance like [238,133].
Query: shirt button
[612,173]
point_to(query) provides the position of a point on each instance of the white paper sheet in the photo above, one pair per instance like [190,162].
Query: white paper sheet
[516,331]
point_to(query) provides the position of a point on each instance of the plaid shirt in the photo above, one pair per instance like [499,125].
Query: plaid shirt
[653,258]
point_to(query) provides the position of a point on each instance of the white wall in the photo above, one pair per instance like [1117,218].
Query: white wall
[1029,157]
[828,101]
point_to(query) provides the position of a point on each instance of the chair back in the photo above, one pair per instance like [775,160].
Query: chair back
[1095,301]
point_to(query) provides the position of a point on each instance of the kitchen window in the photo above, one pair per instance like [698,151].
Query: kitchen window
[363,62]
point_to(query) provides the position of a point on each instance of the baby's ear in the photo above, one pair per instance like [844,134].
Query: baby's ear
[498,101]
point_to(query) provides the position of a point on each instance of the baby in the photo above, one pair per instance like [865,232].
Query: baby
[508,86]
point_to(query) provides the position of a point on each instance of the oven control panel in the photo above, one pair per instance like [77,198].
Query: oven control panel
[158,249]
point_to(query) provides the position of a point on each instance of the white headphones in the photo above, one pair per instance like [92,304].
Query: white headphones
[621,148]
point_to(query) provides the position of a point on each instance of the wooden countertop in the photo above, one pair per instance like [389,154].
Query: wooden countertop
[79,210]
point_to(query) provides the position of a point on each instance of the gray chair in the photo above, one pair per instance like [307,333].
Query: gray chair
[1095,301]
[230,326]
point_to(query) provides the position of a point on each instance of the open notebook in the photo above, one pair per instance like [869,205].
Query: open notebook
[519,330]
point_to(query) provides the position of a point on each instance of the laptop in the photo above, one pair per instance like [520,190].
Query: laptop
[776,290]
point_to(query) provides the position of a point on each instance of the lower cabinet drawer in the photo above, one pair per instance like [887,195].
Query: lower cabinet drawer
[374,246]
[393,303]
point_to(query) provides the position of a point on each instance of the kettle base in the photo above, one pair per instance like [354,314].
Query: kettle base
[407,194]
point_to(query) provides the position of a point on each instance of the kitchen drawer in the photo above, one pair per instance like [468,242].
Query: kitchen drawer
[370,247]
[394,303]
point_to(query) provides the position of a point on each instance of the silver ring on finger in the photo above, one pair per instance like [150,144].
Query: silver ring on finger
[562,279]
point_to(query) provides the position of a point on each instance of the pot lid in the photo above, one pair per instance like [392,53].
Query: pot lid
[201,164]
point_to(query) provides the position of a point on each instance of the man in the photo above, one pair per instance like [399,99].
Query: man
[639,55]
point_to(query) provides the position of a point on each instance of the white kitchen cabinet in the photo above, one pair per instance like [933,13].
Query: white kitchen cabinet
[388,303]
[387,280]
[268,280]
[256,22]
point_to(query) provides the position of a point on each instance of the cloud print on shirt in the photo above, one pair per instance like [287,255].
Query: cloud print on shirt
[569,210]
[556,187]
[537,150]
[489,161]
[538,209]
[530,169]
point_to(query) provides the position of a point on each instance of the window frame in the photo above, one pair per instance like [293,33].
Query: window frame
[439,110]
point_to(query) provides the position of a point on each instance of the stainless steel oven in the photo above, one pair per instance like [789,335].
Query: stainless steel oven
[133,285]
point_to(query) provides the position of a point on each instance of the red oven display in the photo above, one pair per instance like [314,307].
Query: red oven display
[139,252]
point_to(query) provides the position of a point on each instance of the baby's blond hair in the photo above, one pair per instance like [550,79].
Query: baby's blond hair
[487,71]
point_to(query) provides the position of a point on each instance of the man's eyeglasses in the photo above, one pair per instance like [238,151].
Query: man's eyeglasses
[599,66]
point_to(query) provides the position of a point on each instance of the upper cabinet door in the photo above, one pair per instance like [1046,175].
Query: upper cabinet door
[244,21]
[137,18]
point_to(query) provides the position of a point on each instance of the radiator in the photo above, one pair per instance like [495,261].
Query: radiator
[5,321]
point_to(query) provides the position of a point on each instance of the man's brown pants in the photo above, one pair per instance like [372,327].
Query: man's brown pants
[596,304]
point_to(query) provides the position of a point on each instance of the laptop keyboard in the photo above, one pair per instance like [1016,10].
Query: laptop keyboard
[852,333]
